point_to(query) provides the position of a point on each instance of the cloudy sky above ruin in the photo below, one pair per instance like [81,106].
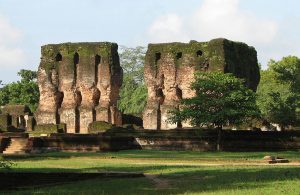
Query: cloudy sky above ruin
[271,26]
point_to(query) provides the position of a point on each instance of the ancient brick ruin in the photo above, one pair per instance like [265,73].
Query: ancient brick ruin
[170,68]
[79,83]
[16,117]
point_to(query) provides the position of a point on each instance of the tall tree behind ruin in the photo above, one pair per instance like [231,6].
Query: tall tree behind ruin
[133,94]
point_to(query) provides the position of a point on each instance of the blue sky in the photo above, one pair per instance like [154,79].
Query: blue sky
[271,26]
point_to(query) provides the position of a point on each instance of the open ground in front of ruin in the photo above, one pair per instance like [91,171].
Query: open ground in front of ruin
[153,172]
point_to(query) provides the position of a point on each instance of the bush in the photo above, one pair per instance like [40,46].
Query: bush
[5,163]
[99,127]
[48,129]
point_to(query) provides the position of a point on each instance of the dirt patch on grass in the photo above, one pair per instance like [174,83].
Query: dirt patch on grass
[160,183]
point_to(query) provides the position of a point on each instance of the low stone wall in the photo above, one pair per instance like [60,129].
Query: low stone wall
[81,142]
[175,139]
[192,140]
[207,140]
[260,140]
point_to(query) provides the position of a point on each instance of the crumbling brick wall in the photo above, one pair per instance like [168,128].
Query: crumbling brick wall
[170,68]
[79,83]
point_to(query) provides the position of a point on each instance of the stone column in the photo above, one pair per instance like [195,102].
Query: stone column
[86,84]
[67,83]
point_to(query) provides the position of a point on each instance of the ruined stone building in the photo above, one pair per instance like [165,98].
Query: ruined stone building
[79,83]
[170,68]
[16,117]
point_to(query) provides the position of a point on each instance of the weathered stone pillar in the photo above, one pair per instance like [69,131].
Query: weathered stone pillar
[47,109]
[30,123]
[15,121]
[67,71]
[109,82]
[86,85]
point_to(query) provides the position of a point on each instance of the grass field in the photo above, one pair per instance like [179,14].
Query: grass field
[167,172]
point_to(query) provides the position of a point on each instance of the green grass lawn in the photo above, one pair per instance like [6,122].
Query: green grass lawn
[170,172]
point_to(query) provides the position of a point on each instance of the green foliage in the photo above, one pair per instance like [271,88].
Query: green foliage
[278,91]
[24,91]
[27,75]
[275,100]
[288,71]
[282,111]
[5,164]
[45,129]
[133,94]
[133,97]
[221,99]
[132,62]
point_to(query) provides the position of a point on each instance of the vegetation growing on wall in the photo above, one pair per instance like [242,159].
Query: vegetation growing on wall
[99,127]
[67,50]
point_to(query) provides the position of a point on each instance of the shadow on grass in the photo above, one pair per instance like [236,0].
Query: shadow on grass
[182,179]
[20,180]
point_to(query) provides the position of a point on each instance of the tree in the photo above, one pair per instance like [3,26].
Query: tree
[24,91]
[288,70]
[282,110]
[133,94]
[278,91]
[221,99]
[132,61]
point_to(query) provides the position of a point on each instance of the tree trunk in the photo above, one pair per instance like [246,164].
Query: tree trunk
[219,140]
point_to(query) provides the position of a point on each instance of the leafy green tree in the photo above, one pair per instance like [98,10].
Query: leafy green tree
[274,99]
[221,99]
[282,110]
[288,71]
[278,91]
[24,91]
[132,61]
[133,94]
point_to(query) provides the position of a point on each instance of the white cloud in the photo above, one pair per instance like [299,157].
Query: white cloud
[168,28]
[11,55]
[213,19]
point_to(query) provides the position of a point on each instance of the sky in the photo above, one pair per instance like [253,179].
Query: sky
[271,26]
